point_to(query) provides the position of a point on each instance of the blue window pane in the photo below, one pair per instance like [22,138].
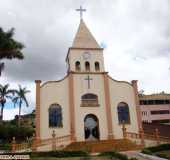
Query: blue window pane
[123,113]
[55,116]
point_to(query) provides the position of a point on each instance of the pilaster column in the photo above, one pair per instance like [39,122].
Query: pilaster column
[142,137]
[135,88]
[72,106]
[108,107]
[53,141]
[13,145]
[157,136]
[124,130]
[34,143]
[37,109]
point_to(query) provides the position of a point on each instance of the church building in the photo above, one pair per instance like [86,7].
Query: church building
[87,103]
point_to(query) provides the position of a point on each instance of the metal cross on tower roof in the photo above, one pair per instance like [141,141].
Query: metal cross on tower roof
[81,10]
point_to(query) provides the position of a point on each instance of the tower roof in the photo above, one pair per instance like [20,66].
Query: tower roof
[84,38]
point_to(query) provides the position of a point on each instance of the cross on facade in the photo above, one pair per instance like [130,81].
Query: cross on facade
[88,79]
[81,10]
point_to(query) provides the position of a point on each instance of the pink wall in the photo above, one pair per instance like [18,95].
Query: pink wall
[148,117]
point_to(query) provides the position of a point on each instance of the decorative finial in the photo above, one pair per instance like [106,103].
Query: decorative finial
[81,10]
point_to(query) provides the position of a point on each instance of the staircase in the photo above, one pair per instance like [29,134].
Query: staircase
[103,146]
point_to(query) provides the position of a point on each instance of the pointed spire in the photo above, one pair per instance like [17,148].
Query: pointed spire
[84,38]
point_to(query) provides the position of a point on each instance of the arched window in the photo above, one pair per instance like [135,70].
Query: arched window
[87,66]
[123,113]
[89,100]
[55,116]
[97,66]
[77,66]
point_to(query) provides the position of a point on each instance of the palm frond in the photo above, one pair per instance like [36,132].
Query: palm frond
[25,100]
[11,91]
[9,97]
[21,93]
[15,101]
[27,91]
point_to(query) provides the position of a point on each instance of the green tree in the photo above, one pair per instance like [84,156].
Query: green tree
[19,99]
[5,93]
[9,47]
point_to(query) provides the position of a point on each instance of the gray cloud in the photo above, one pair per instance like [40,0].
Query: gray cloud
[44,27]
[136,28]
[136,33]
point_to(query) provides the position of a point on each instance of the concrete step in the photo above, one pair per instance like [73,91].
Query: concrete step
[103,145]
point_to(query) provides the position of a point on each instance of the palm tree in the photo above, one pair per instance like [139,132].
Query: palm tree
[9,47]
[5,93]
[20,98]
[2,65]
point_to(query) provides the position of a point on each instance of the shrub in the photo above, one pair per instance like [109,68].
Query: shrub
[86,158]
[158,148]
[162,147]
[162,155]
[9,130]
[5,146]
[60,154]
[146,151]
[114,155]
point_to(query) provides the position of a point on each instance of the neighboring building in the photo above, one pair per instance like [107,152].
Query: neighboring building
[163,129]
[155,108]
[87,103]
[27,120]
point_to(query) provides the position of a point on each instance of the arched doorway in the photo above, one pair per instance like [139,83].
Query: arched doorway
[91,128]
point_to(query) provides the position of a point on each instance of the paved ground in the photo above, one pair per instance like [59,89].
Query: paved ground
[135,154]
[141,156]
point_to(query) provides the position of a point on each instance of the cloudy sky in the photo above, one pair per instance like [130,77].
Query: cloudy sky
[135,33]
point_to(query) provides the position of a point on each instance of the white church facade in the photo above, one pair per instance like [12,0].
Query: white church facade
[87,103]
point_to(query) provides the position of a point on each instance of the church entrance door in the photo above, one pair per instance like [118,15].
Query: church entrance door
[91,127]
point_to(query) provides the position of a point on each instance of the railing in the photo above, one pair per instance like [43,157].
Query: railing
[164,139]
[56,140]
[149,136]
[34,144]
[22,146]
[132,135]
[145,136]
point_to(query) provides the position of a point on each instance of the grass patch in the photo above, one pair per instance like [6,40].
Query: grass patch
[147,151]
[162,147]
[163,154]
[53,158]
[77,158]
[5,146]
[162,150]
[60,154]
[54,154]
[74,155]
[114,154]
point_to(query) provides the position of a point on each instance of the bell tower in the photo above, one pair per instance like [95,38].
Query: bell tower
[85,54]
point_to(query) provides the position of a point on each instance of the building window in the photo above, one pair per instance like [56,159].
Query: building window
[55,116]
[77,66]
[97,66]
[123,113]
[160,112]
[89,100]
[155,102]
[87,66]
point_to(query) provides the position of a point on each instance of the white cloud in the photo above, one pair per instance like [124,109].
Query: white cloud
[10,113]
[136,33]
